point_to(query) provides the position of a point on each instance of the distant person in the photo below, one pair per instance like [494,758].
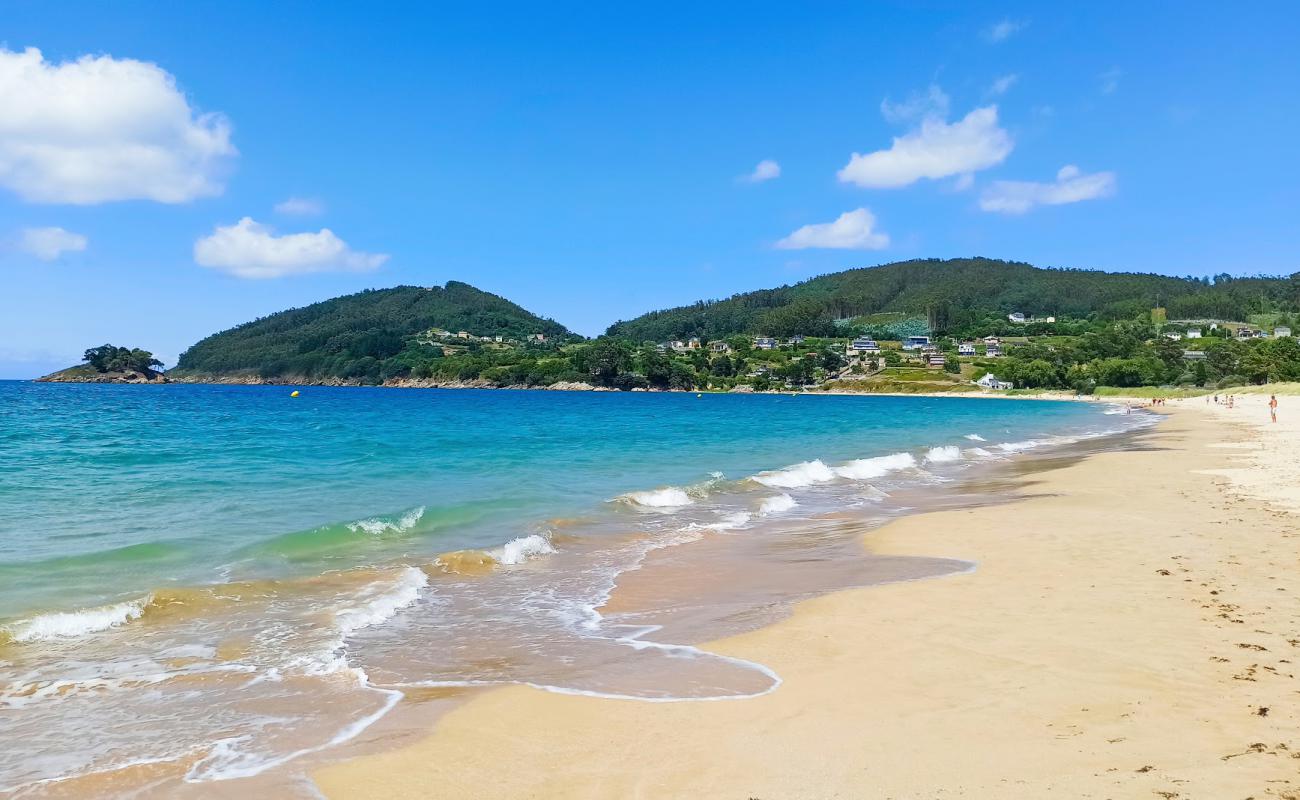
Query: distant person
[1272,407]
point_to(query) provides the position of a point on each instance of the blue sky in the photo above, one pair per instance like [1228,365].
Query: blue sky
[593,162]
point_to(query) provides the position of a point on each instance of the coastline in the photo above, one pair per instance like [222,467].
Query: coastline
[1128,631]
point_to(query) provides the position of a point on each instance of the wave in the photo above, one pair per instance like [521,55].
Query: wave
[980,452]
[975,437]
[668,497]
[71,624]
[940,455]
[867,468]
[522,549]
[1017,447]
[380,602]
[379,525]
[776,505]
[805,473]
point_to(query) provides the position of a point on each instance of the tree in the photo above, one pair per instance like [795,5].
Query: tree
[109,358]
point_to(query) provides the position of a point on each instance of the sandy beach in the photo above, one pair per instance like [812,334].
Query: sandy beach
[1130,631]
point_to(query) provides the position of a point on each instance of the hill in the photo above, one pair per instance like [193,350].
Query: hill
[357,336]
[960,291]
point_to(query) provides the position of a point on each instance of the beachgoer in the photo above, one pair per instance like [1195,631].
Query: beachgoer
[1272,407]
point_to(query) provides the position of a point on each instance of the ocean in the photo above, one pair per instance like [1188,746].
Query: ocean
[216,582]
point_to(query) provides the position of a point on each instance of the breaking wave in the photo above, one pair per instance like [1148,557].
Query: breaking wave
[379,604]
[776,505]
[71,624]
[669,497]
[805,473]
[939,455]
[975,437]
[379,525]
[867,468]
[522,549]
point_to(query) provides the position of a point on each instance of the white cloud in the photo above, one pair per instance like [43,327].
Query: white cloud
[1070,186]
[249,249]
[936,150]
[300,207]
[100,129]
[1110,80]
[1003,30]
[934,103]
[853,230]
[964,181]
[48,244]
[765,170]
[1003,84]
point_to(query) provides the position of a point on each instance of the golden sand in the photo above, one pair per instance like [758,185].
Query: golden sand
[1130,632]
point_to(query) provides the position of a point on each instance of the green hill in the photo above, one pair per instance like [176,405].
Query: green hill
[963,290]
[359,336]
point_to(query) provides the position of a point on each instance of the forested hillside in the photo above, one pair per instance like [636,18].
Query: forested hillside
[961,291]
[351,336]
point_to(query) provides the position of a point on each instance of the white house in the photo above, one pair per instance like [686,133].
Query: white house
[992,340]
[990,381]
[916,342]
[993,350]
[463,334]
[796,339]
[1016,317]
[935,359]
[1281,332]
[863,344]
[966,349]
[1174,335]
[1193,333]
[678,345]
[720,347]
[764,343]
[693,343]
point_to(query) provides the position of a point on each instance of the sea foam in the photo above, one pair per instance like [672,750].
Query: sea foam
[378,525]
[380,603]
[522,549]
[71,624]
[975,437]
[806,473]
[776,505]
[940,455]
[866,468]
[670,497]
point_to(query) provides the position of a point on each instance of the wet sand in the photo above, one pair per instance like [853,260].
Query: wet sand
[1129,632]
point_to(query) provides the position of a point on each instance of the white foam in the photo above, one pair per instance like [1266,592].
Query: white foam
[975,437]
[980,452]
[1016,447]
[940,455]
[378,525]
[776,505]
[520,550]
[380,602]
[71,624]
[806,473]
[867,468]
[669,497]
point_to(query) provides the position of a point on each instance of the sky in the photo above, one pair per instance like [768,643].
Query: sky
[171,170]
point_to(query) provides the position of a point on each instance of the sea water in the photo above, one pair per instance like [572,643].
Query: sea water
[225,579]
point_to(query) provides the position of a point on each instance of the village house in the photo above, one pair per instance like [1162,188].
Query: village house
[935,359]
[1193,333]
[764,343]
[916,343]
[719,347]
[990,381]
[993,350]
[678,346]
[1193,355]
[693,343]
[463,335]
[797,339]
[966,349]
[538,337]
[863,344]
[1016,317]
[991,340]
[1281,332]
[1174,335]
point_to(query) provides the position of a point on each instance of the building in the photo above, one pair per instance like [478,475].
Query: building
[916,342]
[1016,317]
[1193,333]
[693,343]
[935,359]
[990,381]
[966,349]
[499,339]
[463,335]
[863,344]
[538,337]
[719,347]
[991,340]
[797,339]
[1193,355]
[678,345]
[764,343]
[1281,332]
[992,350]
[1173,335]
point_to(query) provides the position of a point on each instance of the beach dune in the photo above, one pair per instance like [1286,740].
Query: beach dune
[1130,631]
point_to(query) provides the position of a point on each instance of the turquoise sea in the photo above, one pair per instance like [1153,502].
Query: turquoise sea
[228,579]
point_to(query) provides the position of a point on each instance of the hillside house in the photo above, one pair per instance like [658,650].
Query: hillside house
[863,344]
[966,349]
[990,381]
[719,347]
[1193,333]
[993,350]
[1281,332]
[916,342]
[1016,317]
[764,343]
[935,359]
[797,339]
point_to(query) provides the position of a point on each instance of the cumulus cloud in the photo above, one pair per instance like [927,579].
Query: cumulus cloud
[48,244]
[100,129]
[937,149]
[852,230]
[300,207]
[1003,30]
[249,249]
[765,170]
[1003,84]
[1070,186]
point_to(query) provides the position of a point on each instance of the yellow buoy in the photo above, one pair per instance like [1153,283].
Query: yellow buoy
[294,393]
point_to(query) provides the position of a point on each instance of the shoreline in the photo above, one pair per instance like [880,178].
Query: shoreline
[1074,640]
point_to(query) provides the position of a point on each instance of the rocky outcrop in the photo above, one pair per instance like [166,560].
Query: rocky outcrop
[87,374]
